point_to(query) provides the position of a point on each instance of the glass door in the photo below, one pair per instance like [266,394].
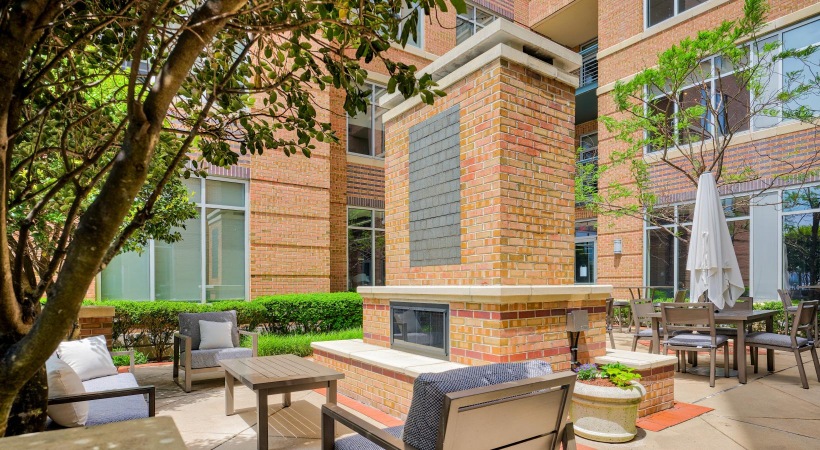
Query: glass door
[585,261]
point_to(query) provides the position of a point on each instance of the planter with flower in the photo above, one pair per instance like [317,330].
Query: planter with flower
[605,402]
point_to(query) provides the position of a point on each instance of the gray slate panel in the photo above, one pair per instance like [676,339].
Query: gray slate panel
[435,198]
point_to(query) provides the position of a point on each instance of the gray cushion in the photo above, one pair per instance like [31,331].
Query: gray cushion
[189,325]
[211,357]
[429,390]
[116,409]
[696,340]
[779,340]
[357,442]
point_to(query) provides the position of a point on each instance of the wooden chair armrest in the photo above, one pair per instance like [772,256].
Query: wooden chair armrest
[130,355]
[254,340]
[113,393]
[363,428]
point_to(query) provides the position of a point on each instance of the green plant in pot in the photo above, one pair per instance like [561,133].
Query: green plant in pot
[605,402]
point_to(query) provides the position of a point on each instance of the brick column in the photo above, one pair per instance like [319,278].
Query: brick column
[96,321]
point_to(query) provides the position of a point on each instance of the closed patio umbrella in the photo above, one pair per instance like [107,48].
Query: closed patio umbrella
[712,262]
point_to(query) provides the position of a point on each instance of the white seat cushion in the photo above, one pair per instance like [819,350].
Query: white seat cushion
[88,357]
[215,335]
[201,359]
[63,380]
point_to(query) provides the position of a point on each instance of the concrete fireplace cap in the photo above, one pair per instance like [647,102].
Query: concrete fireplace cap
[395,360]
[519,45]
[636,360]
[486,294]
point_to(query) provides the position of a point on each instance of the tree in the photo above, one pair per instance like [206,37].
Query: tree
[685,113]
[105,104]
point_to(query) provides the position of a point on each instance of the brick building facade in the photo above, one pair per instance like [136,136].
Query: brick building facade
[318,224]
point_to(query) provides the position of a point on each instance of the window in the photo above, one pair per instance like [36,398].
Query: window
[213,249]
[418,41]
[659,10]
[473,20]
[365,131]
[715,93]
[667,246]
[588,162]
[589,63]
[586,233]
[801,237]
[365,248]
[731,104]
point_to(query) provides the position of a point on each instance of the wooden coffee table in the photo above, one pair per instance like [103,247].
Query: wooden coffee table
[280,374]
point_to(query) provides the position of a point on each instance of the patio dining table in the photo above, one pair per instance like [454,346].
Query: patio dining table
[741,319]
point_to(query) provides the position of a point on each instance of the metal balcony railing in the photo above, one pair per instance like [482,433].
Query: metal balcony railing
[589,65]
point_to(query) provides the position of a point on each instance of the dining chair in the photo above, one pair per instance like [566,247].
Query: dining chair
[609,318]
[643,324]
[789,308]
[805,320]
[689,327]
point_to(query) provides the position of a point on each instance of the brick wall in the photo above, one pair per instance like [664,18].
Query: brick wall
[660,389]
[365,182]
[483,333]
[384,389]
[95,321]
[517,169]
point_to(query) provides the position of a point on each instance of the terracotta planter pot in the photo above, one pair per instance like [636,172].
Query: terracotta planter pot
[606,414]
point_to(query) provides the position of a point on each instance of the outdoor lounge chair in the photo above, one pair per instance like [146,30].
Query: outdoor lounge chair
[192,359]
[688,327]
[112,398]
[511,406]
[805,320]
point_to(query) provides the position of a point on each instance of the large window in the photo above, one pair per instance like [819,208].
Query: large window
[667,244]
[659,10]
[365,248]
[717,89]
[801,237]
[730,103]
[207,264]
[471,22]
[365,131]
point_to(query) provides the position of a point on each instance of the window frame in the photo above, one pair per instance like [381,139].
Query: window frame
[676,242]
[202,207]
[676,12]
[753,58]
[475,26]
[373,229]
[372,110]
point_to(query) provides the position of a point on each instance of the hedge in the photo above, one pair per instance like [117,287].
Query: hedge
[153,323]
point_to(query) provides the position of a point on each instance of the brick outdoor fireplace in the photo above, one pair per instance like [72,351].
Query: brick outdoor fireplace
[480,212]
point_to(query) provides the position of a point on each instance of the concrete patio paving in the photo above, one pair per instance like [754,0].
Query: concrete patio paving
[771,411]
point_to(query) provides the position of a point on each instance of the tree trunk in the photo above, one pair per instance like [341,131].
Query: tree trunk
[27,406]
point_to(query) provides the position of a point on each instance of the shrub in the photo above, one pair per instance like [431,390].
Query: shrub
[312,312]
[299,344]
[122,360]
[151,324]
[617,373]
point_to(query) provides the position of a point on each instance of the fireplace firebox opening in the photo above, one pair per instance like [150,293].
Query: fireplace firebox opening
[420,328]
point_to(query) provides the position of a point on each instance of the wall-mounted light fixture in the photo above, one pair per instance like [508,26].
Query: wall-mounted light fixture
[617,247]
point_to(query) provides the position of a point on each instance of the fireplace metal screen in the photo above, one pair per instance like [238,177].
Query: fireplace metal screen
[420,328]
